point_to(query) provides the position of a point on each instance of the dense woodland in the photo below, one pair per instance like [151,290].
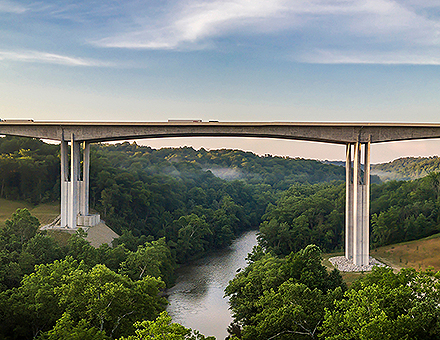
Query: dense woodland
[171,206]
[163,193]
[407,168]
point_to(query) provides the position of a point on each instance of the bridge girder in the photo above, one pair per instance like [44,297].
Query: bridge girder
[337,133]
[75,192]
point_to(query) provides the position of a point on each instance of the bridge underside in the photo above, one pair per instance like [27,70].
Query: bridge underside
[356,136]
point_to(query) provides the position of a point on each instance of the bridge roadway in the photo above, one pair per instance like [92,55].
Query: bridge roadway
[339,133]
[356,136]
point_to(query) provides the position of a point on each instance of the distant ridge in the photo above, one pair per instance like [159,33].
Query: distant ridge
[407,168]
[401,169]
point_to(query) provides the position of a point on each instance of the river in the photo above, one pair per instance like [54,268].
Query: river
[196,300]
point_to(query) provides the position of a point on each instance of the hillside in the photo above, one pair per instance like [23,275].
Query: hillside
[45,212]
[401,169]
[419,254]
[407,168]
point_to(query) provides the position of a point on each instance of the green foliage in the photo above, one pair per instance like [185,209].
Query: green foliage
[151,259]
[104,300]
[305,214]
[33,307]
[163,329]
[110,301]
[21,248]
[21,227]
[67,329]
[404,211]
[283,296]
[407,168]
[387,305]
[29,170]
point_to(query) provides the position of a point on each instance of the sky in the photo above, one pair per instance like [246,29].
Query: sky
[237,60]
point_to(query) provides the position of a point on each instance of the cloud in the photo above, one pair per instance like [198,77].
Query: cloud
[371,57]
[10,7]
[50,58]
[330,27]
[193,22]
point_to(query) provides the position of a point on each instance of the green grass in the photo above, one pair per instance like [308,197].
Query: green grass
[418,254]
[45,213]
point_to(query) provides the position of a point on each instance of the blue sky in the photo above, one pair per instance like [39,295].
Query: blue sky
[239,60]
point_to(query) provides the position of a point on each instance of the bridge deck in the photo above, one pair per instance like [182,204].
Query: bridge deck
[339,133]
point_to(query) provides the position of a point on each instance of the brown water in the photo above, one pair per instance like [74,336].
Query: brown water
[196,301]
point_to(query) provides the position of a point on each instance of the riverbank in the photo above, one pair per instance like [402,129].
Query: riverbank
[197,298]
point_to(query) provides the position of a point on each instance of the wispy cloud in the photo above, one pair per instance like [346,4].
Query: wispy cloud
[11,7]
[371,57]
[313,31]
[334,25]
[50,58]
[192,22]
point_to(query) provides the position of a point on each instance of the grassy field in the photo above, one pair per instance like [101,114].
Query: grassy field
[45,213]
[419,254]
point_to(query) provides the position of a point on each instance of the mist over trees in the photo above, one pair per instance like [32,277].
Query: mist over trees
[167,193]
[407,168]
[173,205]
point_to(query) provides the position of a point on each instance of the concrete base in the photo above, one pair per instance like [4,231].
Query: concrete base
[88,220]
[96,235]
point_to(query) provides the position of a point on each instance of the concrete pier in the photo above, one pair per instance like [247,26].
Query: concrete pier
[75,185]
[356,136]
[357,207]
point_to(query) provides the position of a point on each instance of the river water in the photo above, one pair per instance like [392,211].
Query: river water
[196,301]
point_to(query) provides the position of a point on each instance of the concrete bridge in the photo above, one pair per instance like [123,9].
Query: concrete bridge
[356,136]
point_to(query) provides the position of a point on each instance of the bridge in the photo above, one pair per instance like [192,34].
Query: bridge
[356,136]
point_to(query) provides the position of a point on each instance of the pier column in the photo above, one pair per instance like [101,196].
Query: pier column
[85,180]
[74,181]
[366,206]
[64,183]
[357,210]
[348,204]
[75,188]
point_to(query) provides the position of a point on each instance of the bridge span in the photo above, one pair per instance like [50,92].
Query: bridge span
[356,136]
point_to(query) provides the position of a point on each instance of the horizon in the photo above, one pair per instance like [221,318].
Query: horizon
[280,60]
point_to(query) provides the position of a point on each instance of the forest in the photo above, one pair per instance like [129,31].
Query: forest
[171,206]
[407,168]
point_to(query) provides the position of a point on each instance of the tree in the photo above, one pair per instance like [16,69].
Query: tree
[163,329]
[387,305]
[67,329]
[110,301]
[283,297]
[192,232]
[103,299]
[152,259]
[34,307]
[22,225]
[294,311]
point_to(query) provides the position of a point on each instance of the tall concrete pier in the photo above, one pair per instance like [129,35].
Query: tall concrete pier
[75,185]
[356,136]
[357,205]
